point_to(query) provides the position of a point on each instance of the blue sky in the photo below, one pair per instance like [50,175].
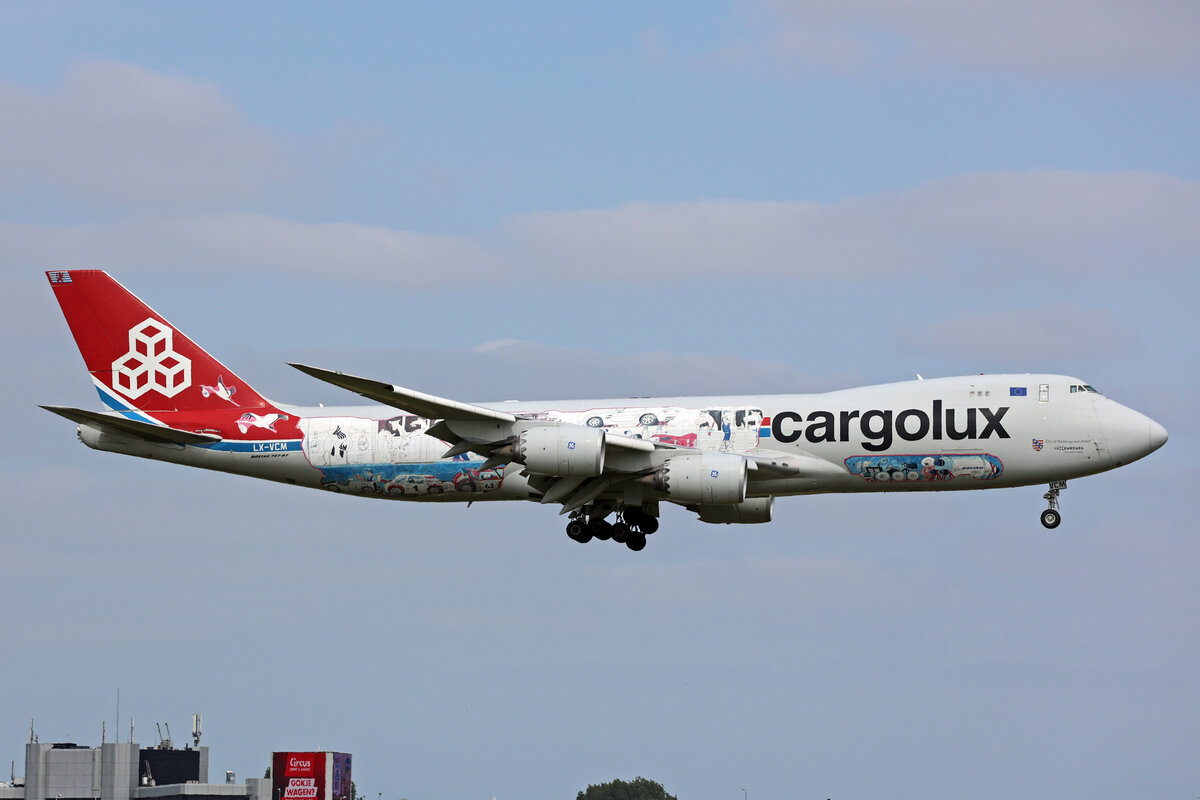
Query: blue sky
[557,200]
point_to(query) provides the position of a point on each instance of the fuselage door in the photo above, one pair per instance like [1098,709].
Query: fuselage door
[1044,393]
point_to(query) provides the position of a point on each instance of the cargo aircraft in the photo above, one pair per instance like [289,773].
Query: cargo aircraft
[610,465]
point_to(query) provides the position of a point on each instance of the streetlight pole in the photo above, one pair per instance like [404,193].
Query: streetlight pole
[745,794]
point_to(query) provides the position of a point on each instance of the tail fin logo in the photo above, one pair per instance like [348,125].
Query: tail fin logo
[151,363]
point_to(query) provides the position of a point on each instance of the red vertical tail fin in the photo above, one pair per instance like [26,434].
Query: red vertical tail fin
[136,358]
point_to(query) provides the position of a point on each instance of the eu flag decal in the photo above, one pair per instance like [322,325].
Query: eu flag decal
[1017,391]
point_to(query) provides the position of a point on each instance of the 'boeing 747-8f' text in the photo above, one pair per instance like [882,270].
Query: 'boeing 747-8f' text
[608,464]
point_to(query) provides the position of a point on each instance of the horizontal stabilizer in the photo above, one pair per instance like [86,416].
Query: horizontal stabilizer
[410,400]
[132,427]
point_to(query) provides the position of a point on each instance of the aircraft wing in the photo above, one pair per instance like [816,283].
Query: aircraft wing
[148,431]
[410,400]
[441,408]
[497,435]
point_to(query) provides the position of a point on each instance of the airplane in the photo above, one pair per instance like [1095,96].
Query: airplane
[724,458]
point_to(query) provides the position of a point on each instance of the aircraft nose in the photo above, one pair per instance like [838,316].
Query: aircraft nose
[1158,436]
[1131,435]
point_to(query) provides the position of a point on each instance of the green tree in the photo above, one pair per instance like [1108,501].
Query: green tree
[637,789]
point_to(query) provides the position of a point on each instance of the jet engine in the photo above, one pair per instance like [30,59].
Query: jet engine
[702,478]
[572,451]
[752,510]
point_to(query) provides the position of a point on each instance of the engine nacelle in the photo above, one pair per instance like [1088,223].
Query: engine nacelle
[751,511]
[572,451]
[703,478]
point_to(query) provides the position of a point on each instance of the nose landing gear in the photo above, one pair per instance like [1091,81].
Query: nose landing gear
[1051,516]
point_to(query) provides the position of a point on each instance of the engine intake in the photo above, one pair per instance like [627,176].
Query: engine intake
[705,478]
[572,451]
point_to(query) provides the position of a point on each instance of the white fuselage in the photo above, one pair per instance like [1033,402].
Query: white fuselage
[949,433]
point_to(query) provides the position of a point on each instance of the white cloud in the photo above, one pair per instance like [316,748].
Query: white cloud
[555,371]
[1044,222]
[1055,37]
[123,133]
[1036,335]
[1047,220]
[248,241]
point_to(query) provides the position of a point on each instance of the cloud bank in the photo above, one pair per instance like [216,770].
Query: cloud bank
[122,133]
[1066,38]
[1057,222]
[176,164]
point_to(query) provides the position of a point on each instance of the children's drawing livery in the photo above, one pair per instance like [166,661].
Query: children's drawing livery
[611,465]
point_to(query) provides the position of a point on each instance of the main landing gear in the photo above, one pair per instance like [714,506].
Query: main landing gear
[1051,516]
[632,527]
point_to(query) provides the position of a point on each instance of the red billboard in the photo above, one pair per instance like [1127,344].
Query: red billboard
[310,776]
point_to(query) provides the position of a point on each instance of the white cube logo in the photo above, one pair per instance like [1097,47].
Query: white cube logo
[151,363]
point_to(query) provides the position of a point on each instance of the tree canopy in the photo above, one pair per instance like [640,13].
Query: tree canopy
[637,789]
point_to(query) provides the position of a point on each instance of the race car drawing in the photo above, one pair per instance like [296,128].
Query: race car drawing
[415,484]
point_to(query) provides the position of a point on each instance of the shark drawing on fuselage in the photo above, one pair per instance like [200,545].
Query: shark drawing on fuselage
[610,465]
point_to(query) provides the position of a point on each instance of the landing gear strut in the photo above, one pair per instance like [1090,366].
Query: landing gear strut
[1051,516]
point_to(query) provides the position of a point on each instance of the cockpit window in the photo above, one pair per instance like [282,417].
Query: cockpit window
[1082,387]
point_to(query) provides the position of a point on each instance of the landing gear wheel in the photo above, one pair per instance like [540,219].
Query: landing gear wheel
[636,542]
[599,528]
[621,533]
[578,531]
[640,521]
[1051,518]
[648,419]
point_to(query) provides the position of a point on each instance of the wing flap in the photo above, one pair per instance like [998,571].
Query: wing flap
[770,464]
[159,434]
[629,443]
